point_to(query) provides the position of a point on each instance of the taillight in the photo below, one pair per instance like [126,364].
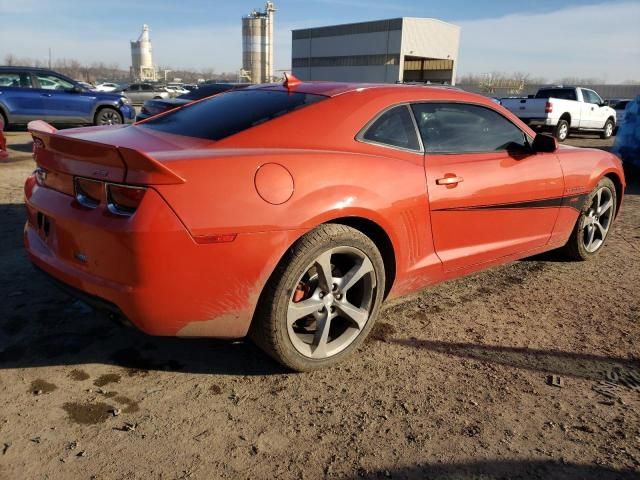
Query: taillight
[41,176]
[88,192]
[123,199]
[548,108]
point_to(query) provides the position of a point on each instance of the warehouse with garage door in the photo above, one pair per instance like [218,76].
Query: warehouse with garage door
[397,50]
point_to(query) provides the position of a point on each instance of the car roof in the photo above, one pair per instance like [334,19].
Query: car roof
[333,89]
[20,67]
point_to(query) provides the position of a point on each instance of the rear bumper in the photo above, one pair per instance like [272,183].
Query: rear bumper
[148,266]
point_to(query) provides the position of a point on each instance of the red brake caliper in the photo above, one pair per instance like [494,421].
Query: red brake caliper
[301,292]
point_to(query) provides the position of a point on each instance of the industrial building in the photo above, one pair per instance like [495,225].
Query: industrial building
[142,68]
[396,50]
[257,45]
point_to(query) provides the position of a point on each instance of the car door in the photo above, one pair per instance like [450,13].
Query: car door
[598,111]
[147,92]
[133,93]
[590,113]
[18,97]
[62,101]
[490,196]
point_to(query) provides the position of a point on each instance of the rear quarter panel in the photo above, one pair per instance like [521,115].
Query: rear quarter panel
[583,168]
[219,196]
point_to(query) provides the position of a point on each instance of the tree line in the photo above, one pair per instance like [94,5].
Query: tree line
[100,71]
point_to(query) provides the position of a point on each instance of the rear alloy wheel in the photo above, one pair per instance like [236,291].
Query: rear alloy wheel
[594,222]
[108,116]
[562,130]
[608,130]
[322,301]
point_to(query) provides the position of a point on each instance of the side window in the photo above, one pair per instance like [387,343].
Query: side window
[395,128]
[460,128]
[145,87]
[15,80]
[51,82]
[591,97]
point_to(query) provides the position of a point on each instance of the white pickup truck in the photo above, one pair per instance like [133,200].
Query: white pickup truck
[564,109]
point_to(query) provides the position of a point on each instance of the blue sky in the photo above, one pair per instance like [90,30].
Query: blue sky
[588,38]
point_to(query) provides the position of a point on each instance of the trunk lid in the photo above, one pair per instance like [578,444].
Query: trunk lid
[114,154]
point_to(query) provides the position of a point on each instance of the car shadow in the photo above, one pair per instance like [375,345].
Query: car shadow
[567,364]
[502,469]
[26,147]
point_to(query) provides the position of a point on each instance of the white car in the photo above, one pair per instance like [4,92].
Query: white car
[107,87]
[177,88]
[564,109]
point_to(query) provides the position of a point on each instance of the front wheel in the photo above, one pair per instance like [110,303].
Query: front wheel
[107,116]
[594,222]
[608,130]
[322,300]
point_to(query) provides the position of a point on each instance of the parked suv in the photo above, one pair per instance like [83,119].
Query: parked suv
[28,93]
[139,92]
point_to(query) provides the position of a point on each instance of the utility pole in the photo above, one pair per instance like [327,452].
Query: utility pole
[49,58]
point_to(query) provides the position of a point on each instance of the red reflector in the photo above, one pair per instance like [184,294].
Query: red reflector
[226,238]
[548,108]
[124,200]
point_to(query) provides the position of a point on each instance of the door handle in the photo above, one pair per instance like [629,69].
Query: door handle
[449,180]
[45,94]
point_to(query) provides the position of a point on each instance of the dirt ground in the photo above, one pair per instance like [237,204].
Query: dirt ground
[452,384]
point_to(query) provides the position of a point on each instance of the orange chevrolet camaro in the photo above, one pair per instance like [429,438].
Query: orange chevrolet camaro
[289,212]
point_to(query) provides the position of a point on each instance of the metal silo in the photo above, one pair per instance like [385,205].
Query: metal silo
[257,44]
[141,60]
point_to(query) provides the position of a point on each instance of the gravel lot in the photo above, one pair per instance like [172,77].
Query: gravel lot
[453,383]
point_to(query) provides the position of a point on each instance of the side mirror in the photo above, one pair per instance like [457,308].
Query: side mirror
[543,143]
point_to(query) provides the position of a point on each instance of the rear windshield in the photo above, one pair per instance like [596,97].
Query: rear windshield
[230,113]
[206,91]
[562,93]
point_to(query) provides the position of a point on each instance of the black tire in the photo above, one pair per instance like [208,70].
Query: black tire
[561,131]
[270,330]
[607,131]
[576,248]
[108,116]
[4,123]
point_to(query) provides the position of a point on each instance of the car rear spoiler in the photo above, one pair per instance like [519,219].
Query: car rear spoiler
[85,158]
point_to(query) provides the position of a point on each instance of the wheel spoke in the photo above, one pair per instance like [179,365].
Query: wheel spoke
[591,230]
[605,208]
[358,315]
[603,231]
[298,310]
[358,271]
[325,278]
[321,336]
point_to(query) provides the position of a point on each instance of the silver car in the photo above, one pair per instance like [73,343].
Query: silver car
[138,93]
